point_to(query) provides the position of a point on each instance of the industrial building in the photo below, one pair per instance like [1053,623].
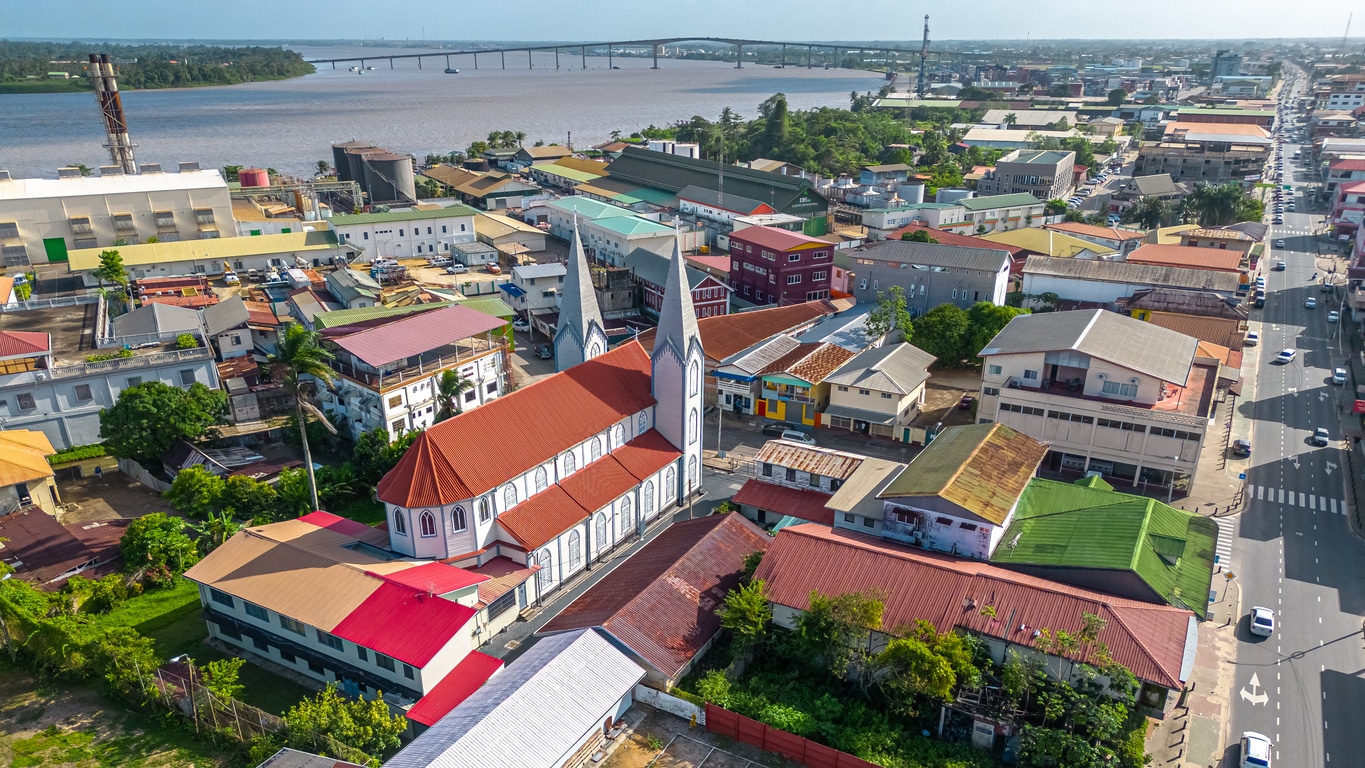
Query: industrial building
[384,176]
[42,220]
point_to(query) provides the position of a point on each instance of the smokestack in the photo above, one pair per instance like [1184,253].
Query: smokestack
[120,147]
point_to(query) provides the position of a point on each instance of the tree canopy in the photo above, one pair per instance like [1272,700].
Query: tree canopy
[148,418]
[943,332]
[156,545]
[365,724]
[890,314]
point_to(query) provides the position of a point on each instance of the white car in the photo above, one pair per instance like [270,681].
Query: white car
[1310,303]
[798,437]
[1339,376]
[1255,750]
[1333,316]
[1286,356]
[1321,438]
[520,324]
[1253,338]
[1261,621]
[456,268]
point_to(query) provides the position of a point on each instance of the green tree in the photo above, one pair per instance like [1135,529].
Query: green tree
[374,455]
[148,418]
[128,660]
[1117,97]
[834,632]
[324,167]
[220,677]
[448,394]
[300,350]
[774,111]
[944,333]
[216,529]
[919,236]
[230,172]
[1213,205]
[111,268]
[296,492]
[747,614]
[364,724]
[155,545]
[985,320]
[890,314]
[920,663]
[186,341]
[1148,213]
[196,491]
[1011,119]
[250,499]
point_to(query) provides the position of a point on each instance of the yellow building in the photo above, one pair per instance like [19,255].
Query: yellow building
[1048,243]
[25,476]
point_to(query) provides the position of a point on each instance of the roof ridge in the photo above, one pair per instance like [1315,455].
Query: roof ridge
[681,556]
[1137,637]
[1080,338]
[1142,534]
[963,466]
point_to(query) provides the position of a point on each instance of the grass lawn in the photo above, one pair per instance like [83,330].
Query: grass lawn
[172,618]
[367,511]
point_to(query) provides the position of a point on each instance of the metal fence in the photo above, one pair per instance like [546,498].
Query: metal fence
[777,741]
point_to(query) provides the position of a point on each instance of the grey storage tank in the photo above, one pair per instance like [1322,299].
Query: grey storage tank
[388,177]
[355,160]
[341,162]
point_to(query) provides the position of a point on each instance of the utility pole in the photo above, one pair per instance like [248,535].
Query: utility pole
[923,58]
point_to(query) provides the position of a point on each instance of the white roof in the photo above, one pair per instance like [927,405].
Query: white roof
[32,189]
[528,271]
[533,712]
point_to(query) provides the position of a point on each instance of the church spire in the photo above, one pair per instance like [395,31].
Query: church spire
[581,333]
[677,317]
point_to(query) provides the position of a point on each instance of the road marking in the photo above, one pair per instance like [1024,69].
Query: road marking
[1256,699]
[1260,492]
[1281,495]
[1312,503]
[1323,500]
[1334,506]
[1300,498]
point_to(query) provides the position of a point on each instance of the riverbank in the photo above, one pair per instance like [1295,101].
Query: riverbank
[45,86]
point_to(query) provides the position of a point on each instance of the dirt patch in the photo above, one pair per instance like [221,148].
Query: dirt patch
[940,404]
[111,497]
[661,740]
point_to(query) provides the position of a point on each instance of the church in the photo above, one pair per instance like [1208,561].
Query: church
[557,474]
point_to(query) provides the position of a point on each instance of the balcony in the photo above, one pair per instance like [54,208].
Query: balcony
[787,394]
[1189,405]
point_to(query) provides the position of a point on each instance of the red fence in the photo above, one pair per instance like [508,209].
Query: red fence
[780,742]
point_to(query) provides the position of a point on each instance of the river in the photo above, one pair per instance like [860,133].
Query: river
[291,124]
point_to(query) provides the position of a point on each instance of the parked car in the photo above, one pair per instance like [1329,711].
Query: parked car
[798,437]
[439,261]
[1285,356]
[543,352]
[1253,338]
[1255,750]
[1241,448]
[456,268]
[965,404]
[520,324]
[1321,437]
[776,428]
[1262,621]
[1339,376]
[492,269]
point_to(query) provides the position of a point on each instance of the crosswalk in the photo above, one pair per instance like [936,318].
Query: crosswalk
[1285,498]
[1282,231]
[1224,548]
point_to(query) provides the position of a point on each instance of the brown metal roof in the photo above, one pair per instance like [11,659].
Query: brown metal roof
[982,468]
[662,602]
[725,335]
[819,461]
[821,363]
[950,593]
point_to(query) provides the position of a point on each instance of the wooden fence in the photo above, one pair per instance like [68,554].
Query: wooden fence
[778,741]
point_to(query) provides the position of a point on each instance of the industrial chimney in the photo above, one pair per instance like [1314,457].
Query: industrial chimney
[120,147]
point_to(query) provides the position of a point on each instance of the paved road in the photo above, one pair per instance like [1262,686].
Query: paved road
[1294,551]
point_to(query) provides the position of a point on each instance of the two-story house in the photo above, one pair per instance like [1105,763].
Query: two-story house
[794,387]
[960,493]
[879,391]
[776,266]
[389,374]
[533,287]
[710,296]
[1110,395]
[930,274]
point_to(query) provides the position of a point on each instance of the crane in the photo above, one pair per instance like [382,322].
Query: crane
[923,57]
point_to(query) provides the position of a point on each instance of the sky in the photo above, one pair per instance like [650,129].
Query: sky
[604,20]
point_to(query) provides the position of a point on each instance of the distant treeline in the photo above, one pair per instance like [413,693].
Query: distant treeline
[25,67]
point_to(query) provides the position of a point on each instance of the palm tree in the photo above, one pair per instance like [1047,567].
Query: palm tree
[218,528]
[1149,213]
[520,137]
[300,350]
[448,391]
[1011,119]
[1214,204]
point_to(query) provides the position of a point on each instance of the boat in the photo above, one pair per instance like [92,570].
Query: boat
[370,68]
[452,71]
[355,69]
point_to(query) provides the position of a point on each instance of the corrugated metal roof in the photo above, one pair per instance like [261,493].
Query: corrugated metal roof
[411,336]
[478,450]
[999,201]
[825,462]
[761,355]
[542,517]
[951,592]
[530,271]
[661,603]
[982,468]
[935,255]
[598,484]
[208,251]
[712,198]
[324,320]
[293,758]
[900,368]
[418,214]
[634,225]
[226,315]
[819,363]
[1058,244]
[587,208]
[650,267]
[782,500]
[120,184]
[157,318]
[859,492]
[777,239]
[434,578]
[1109,336]
[23,343]
[646,455]
[1093,230]
[1189,256]
[724,335]
[1131,274]
[577,677]
[462,681]
[406,624]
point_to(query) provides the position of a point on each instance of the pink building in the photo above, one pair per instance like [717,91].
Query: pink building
[1348,209]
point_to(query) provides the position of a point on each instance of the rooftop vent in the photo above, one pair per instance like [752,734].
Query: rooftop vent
[4,175]
[150,168]
[111,170]
[68,173]
[189,166]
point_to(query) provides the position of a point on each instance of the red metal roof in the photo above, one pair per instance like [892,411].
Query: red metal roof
[403,623]
[598,484]
[434,578]
[661,603]
[16,343]
[951,592]
[331,522]
[504,574]
[1188,256]
[646,454]
[952,238]
[777,239]
[479,450]
[542,517]
[1349,164]
[466,678]
[416,333]
[724,335]
[807,505]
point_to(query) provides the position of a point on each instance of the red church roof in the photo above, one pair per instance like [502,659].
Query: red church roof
[479,450]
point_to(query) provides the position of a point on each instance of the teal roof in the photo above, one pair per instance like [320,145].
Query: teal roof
[588,208]
[1088,525]
[998,201]
[634,225]
[347,219]
[892,102]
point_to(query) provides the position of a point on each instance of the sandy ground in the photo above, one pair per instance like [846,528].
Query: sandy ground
[114,496]
[677,745]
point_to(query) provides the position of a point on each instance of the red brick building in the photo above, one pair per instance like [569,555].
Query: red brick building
[776,266]
[710,297]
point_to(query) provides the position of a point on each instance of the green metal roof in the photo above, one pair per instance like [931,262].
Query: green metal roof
[572,174]
[1088,525]
[1185,110]
[346,219]
[999,201]
[588,208]
[634,225]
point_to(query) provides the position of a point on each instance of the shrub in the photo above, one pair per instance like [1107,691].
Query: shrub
[186,341]
[714,688]
[77,453]
[119,355]
[789,719]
